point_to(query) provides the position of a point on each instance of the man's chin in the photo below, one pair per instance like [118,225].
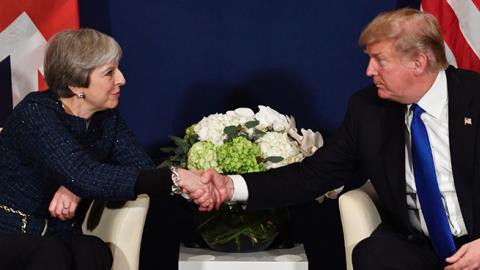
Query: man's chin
[382,94]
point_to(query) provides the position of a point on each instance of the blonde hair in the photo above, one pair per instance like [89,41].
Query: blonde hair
[412,31]
[71,55]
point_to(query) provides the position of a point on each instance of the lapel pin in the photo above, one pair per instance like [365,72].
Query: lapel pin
[467,121]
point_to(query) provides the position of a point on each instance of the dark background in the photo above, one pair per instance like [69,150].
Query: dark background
[184,59]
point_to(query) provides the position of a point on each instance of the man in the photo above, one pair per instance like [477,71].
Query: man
[414,91]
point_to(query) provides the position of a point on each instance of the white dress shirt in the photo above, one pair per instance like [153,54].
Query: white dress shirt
[435,118]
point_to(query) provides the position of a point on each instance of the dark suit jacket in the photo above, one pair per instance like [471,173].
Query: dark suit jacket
[372,139]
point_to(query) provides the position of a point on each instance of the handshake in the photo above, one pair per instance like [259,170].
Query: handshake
[208,189]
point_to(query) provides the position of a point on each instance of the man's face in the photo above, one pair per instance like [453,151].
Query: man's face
[392,74]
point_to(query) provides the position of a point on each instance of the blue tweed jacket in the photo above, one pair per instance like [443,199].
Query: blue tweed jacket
[43,148]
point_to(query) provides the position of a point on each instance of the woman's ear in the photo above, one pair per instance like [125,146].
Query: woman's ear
[77,91]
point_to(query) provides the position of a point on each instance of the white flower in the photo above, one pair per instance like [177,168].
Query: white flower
[240,116]
[269,118]
[280,145]
[211,128]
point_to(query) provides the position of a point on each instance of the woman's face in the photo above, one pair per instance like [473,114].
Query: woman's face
[104,89]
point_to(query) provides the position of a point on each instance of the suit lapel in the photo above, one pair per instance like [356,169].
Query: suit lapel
[462,134]
[394,155]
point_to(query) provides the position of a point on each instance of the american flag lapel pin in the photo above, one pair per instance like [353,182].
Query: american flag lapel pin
[467,121]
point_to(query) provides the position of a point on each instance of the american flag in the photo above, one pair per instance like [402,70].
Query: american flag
[460,24]
[25,27]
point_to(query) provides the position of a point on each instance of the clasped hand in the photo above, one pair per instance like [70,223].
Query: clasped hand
[208,189]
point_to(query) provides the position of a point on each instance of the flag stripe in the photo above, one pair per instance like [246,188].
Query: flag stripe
[452,33]
[50,16]
[469,21]
[476,3]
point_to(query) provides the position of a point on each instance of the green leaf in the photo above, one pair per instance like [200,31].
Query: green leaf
[185,148]
[179,151]
[193,139]
[166,163]
[251,124]
[167,149]
[231,131]
[274,159]
[258,133]
[177,140]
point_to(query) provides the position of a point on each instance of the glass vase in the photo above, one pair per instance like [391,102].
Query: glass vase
[233,229]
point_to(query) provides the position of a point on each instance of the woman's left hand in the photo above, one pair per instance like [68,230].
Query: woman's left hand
[64,204]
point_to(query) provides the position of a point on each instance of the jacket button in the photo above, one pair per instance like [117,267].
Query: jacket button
[410,237]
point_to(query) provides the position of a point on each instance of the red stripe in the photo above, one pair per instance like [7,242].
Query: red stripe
[477,4]
[50,16]
[465,56]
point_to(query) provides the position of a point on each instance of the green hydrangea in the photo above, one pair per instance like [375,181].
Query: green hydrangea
[202,156]
[239,156]
[189,133]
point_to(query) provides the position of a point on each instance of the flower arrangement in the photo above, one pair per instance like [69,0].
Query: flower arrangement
[236,142]
[241,141]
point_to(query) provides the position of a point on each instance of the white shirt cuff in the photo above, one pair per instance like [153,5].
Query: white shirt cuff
[240,189]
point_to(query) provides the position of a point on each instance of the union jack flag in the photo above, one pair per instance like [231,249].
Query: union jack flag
[25,27]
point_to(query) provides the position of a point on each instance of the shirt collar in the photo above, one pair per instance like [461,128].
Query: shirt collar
[436,97]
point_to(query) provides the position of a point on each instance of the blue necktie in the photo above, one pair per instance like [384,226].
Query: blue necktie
[427,189]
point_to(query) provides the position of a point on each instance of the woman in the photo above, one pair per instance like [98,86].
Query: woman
[66,142]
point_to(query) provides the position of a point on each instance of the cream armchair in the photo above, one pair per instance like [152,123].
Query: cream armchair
[359,216]
[121,227]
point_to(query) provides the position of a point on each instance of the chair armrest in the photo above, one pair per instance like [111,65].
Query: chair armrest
[122,229]
[359,217]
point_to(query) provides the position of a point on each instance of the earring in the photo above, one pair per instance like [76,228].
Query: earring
[81,96]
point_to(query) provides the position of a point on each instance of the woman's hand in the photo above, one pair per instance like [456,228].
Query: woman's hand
[64,204]
[204,193]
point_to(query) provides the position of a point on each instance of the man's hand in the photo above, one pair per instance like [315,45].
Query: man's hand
[201,192]
[467,257]
[223,185]
[64,204]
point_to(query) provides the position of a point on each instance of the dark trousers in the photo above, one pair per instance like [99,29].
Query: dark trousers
[29,252]
[387,249]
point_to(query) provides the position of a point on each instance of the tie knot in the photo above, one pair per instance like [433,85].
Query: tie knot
[417,110]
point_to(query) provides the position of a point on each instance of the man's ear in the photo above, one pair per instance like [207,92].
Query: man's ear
[420,63]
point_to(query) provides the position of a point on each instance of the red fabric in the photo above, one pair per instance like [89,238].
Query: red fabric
[477,3]
[454,38]
[48,16]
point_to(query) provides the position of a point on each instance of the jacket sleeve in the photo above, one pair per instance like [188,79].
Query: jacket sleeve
[326,170]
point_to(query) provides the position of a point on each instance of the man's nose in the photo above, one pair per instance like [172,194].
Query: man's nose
[371,69]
